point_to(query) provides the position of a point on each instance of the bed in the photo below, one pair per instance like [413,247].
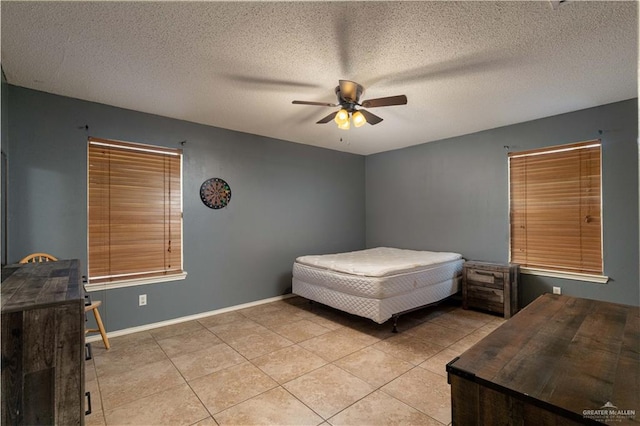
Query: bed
[378,283]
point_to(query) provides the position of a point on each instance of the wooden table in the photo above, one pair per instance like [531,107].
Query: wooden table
[561,360]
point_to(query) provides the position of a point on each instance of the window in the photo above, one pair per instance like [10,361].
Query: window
[135,211]
[555,208]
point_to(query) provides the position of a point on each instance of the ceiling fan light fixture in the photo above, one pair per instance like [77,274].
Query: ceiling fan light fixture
[345,125]
[358,119]
[348,99]
[342,117]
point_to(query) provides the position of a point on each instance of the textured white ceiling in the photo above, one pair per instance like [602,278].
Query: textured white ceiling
[464,66]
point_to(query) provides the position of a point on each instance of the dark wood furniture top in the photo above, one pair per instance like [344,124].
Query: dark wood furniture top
[561,354]
[36,285]
[43,344]
[491,286]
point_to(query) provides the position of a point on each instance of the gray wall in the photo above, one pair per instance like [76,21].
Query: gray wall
[287,200]
[453,195]
[291,199]
[4,140]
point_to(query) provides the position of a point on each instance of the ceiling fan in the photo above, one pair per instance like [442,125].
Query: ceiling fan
[348,93]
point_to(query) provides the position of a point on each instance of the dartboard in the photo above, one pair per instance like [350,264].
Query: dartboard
[215,193]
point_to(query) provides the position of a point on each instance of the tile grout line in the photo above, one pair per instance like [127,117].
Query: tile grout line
[414,366]
[156,341]
[187,381]
[281,385]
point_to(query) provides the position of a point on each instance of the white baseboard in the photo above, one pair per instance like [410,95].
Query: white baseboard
[125,331]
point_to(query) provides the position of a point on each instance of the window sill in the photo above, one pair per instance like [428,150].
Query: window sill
[135,282]
[600,279]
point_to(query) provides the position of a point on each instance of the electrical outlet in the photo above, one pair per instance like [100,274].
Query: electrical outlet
[557,290]
[142,300]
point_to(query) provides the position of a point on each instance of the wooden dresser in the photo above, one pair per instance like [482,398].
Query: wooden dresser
[491,286]
[43,344]
[560,361]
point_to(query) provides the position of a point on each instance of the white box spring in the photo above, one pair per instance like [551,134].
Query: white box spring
[378,310]
[378,287]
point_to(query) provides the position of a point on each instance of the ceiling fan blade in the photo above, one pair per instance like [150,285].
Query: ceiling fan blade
[388,101]
[314,103]
[371,118]
[350,91]
[328,118]
[268,83]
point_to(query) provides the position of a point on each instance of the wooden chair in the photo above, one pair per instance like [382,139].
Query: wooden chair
[38,257]
[94,308]
[90,306]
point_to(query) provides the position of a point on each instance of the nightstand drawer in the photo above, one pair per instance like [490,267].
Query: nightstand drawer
[493,279]
[485,293]
[487,305]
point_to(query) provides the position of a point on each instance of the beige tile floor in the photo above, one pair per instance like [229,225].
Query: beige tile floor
[284,363]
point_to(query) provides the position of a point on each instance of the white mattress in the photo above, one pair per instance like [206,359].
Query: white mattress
[394,283]
[379,261]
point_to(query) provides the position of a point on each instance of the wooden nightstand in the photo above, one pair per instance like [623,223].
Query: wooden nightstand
[491,286]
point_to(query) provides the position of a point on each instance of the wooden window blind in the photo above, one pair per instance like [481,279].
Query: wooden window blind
[135,211]
[555,208]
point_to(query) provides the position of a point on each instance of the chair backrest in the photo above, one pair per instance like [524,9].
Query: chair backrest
[38,257]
